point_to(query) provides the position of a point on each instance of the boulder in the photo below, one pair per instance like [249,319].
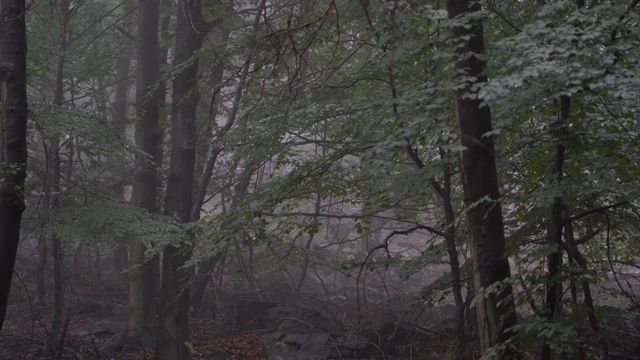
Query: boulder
[95,308]
[251,314]
[125,342]
[299,320]
[93,331]
[315,346]
[391,331]
[393,336]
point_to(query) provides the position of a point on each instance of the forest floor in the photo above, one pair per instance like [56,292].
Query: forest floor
[26,330]
[95,312]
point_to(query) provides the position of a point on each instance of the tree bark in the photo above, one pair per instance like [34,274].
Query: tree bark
[119,121]
[555,223]
[54,343]
[454,264]
[495,310]
[13,138]
[173,300]
[41,265]
[143,281]
[554,233]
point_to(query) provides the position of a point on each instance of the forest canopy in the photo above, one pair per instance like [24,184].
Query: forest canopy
[363,159]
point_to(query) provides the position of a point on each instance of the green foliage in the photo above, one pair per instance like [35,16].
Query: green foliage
[104,222]
[432,256]
[347,116]
[439,289]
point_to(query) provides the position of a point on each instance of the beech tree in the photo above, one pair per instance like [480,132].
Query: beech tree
[351,156]
[53,345]
[173,298]
[13,138]
[143,277]
[491,270]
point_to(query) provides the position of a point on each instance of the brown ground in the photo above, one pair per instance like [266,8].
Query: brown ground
[26,330]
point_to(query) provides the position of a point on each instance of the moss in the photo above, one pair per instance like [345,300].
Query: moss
[216,349]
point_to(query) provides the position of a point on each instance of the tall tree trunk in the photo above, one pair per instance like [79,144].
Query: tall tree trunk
[119,119]
[173,301]
[13,138]
[54,343]
[554,233]
[143,282]
[119,122]
[496,310]
[454,264]
[555,223]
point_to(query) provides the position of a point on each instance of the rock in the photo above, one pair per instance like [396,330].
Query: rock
[311,346]
[251,314]
[214,352]
[95,331]
[276,349]
[392,331]
[315,346]
[391,335]
[96,308]
[299,320]
[357,343]
[125,342]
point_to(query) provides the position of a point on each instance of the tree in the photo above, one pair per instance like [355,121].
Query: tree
[491,269]
[13,138]
[173,300]
[360,153]
[143,276]
[119,120]
[53,345]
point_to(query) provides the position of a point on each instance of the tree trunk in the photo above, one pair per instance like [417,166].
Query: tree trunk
[496,310]
[13,135]
[454,264]
[575,254]
[54,343]
[41,265]
[173,302]
[143,282]
[570,241]
[200,286]
[554,233]
[555,224]
[204,273]
[306,258]
[119,120]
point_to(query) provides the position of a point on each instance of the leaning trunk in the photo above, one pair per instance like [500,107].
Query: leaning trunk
[495,310]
